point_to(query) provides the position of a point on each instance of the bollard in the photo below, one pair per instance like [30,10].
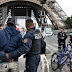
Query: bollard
[9,67]
[43,65]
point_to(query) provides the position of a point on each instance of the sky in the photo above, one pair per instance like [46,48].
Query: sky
[66,5]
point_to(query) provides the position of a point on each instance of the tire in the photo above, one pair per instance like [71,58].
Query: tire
[66,68]
[54,65]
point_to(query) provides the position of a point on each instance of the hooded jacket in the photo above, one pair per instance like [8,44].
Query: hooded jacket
[27,45]
[10,39]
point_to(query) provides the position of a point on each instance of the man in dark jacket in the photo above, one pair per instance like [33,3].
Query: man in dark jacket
[61,38]
[10,38]
[32,45]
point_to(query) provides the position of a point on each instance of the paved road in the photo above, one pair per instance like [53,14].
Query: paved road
[51,43]
[52,46]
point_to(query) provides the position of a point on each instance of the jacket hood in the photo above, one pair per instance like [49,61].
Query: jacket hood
[12,31]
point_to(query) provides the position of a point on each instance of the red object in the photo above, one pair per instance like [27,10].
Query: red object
[43,24]
[17,28]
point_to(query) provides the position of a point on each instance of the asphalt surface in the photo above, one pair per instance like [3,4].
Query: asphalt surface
[52,47]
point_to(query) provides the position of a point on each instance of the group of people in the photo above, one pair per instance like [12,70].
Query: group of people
[62,36]
[12,45]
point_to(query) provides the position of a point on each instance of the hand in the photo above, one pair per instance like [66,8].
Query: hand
[10,60]
[6,57]
[68,70]
[62,37]
[1,53]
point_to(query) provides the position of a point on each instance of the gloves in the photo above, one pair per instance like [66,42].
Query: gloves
[5,57]
[1,53]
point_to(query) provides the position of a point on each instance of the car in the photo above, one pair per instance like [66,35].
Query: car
[70,34]
[47,32]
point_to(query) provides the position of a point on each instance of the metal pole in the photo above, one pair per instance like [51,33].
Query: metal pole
[27,12]
[42,10]
[42,17]
[13,11]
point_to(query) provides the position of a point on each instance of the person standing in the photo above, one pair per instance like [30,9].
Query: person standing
[32,39]
[23,32]
[61,39]
[70,41]
[10,38]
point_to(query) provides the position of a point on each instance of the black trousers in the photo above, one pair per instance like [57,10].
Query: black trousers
[32,63]
[61,44]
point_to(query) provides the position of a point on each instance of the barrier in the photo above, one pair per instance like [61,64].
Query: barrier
[43,65]
[9,67]
[22,63]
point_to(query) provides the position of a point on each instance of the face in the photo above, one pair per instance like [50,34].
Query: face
[1,28]
[22,29]
[69,37]
[62,30]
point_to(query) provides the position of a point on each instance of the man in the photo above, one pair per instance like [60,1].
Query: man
[23,32]
[70,41]
[32,45]
[10,38]
[61,38]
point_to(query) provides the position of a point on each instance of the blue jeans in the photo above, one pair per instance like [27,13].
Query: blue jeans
[32,63]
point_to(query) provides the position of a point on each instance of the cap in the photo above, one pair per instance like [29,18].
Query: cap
[37,31]
[11,21]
